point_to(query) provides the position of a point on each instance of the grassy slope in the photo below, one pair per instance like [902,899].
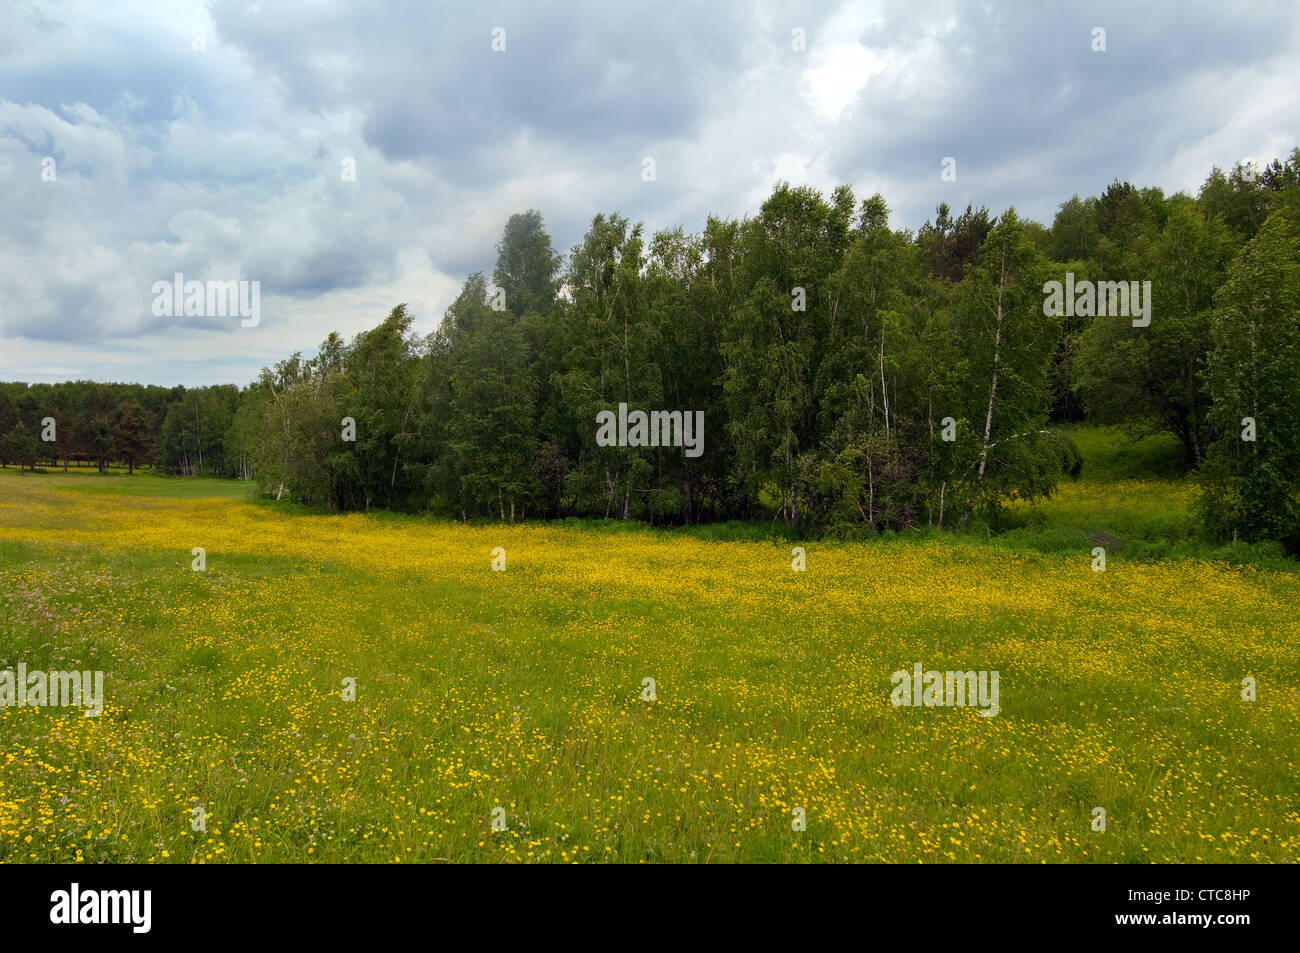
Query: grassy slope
[1132,498]
[521,689]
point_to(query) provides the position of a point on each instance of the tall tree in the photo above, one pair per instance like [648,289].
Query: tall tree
[527,266]
[1252,474]
[490,430]
[1149,378]
[1007,343]
[774,341]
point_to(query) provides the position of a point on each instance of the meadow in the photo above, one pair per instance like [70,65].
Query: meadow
[523,689]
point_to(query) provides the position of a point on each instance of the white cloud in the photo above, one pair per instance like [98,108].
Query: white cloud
[226,164]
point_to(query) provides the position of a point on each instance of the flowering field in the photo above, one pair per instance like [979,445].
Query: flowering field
[517,696]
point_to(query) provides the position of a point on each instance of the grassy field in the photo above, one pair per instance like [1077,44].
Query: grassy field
[522,690]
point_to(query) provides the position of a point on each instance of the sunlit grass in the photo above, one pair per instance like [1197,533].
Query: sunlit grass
[521,689]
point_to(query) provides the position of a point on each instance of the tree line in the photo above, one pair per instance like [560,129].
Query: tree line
[206,431]
[850,375]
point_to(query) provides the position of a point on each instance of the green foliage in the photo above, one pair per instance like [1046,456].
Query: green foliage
[19,446]
[1252,486]
[854,379]
[1150,378]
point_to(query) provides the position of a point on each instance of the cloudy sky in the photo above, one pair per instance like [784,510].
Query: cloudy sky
[214,139]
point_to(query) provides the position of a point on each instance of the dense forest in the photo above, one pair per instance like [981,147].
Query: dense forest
[850,375]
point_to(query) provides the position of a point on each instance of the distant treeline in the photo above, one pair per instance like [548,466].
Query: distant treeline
[84,423]
[850,375]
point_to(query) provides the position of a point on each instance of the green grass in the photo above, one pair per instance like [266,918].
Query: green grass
[1133,498]
[521,690]
[141,483]
[1110,454]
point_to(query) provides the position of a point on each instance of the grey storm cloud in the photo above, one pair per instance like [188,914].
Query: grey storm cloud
[1009,90]
[227,162]
[586,73]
